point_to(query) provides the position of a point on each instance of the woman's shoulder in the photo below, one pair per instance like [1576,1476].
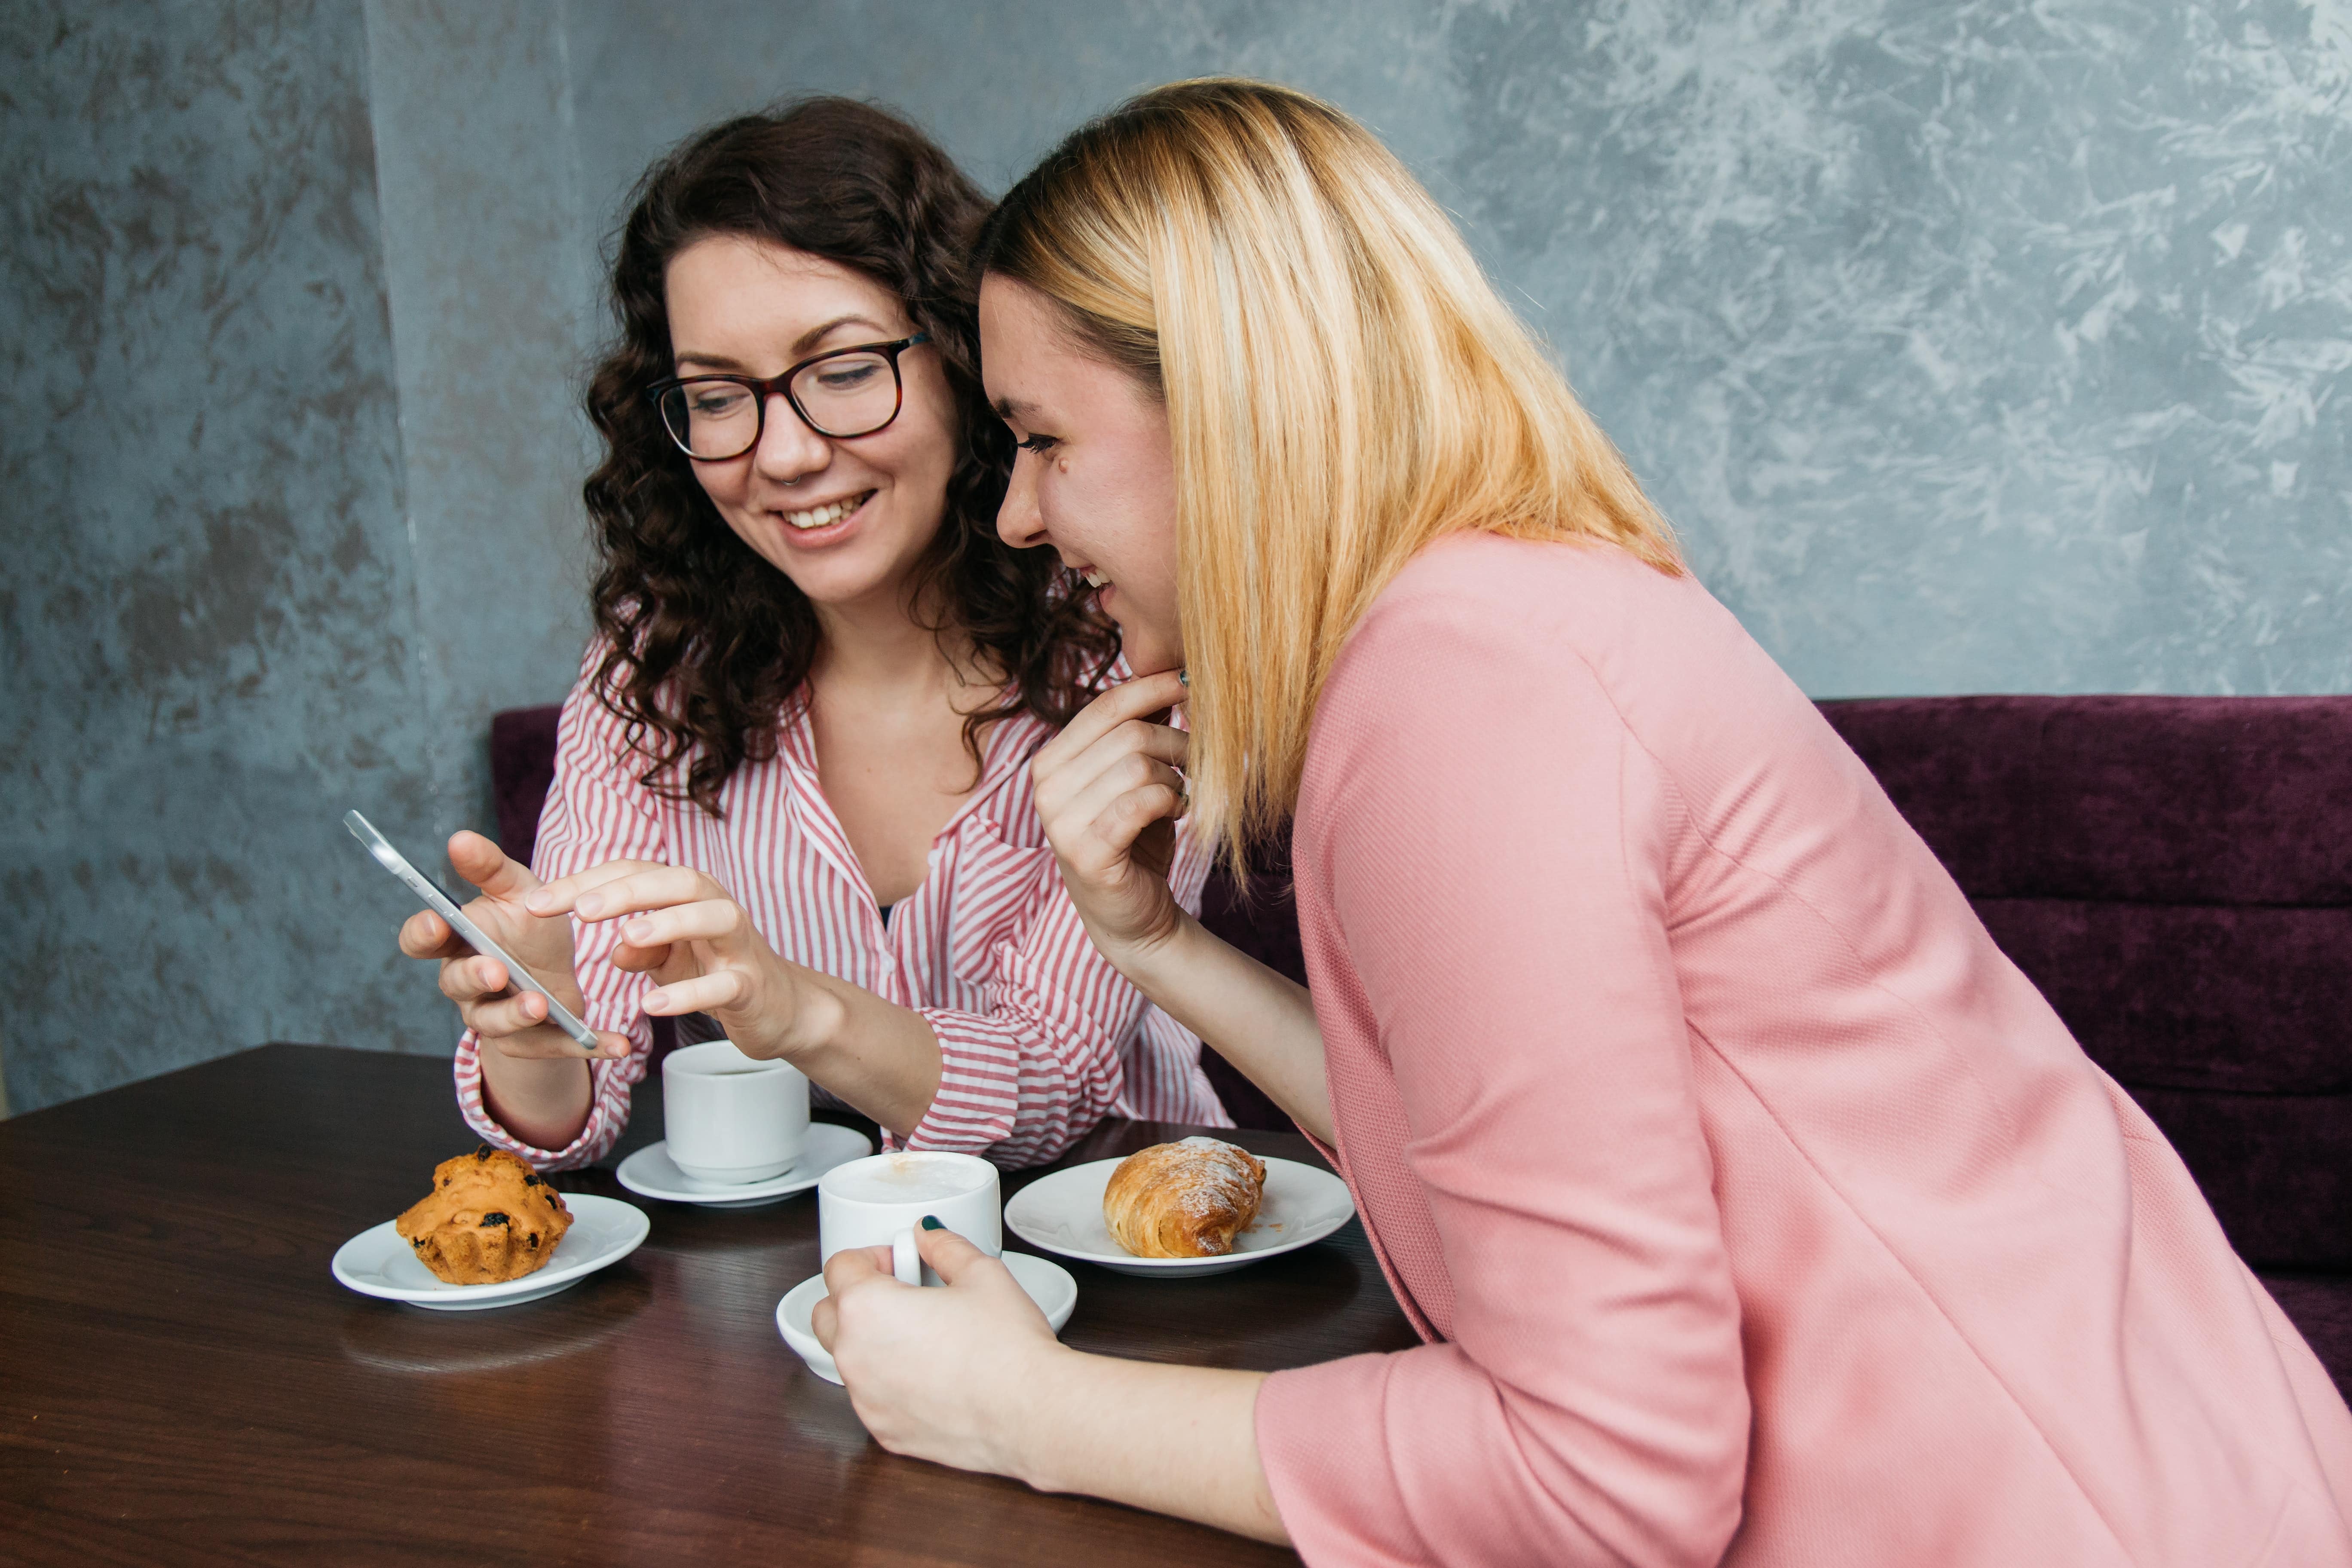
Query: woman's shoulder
[1545,638]
[1486,598]
[594,702]
[602,727]
[1544,621]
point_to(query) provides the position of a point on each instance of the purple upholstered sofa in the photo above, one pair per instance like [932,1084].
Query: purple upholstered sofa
[2175,873]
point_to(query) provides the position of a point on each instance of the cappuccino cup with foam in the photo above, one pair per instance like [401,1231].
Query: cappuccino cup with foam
[878,1201]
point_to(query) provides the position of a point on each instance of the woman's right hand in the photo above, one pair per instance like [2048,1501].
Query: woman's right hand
[511,1022]
[1109,791]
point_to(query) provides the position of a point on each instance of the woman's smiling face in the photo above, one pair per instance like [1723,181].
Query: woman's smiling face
[1095,478]
[845,520]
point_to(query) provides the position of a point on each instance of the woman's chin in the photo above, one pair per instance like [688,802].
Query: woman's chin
[1149,655]
[866,570]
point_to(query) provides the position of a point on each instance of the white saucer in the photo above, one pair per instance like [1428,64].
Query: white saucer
[1063,1213]
[1048,1284]
[651,1172]
[377,1262]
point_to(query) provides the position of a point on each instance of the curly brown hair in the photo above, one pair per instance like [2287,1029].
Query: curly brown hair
[707,645]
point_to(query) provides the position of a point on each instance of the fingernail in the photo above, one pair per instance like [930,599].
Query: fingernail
[931,1222]
[590,904]
[638,930]
[536,900]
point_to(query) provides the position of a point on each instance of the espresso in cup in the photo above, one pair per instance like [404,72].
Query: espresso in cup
[728,1119]
[878,1201]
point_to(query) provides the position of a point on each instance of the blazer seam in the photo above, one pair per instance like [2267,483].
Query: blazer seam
[1699,831]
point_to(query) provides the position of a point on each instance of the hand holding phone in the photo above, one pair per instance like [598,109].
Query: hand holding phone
[441,904]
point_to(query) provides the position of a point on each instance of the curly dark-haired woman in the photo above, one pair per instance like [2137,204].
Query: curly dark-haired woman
[792,788]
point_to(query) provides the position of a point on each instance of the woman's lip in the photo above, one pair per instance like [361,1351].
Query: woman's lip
[832,533]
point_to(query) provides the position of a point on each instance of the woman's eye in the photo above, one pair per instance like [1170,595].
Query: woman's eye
[847,378]
[717,401]
[1038,444]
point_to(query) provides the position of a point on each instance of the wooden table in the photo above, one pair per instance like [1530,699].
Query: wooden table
[182,1381]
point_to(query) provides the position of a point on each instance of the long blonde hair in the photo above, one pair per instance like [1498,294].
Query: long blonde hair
[1342,386]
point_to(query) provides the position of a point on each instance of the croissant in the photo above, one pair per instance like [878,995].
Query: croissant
[489,1218]
[1183,1200]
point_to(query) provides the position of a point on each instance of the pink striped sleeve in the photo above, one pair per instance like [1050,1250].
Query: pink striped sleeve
[1164,1080]
[1025,1080]
[595,812]
[1053,1055]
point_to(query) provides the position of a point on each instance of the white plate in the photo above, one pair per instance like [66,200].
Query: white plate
[377,1262]
[1048,1284]
[1063,1213]
[651,1172]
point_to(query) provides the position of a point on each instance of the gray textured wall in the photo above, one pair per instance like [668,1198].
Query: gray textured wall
[1977,347]
[1972,347]
[488,261]
[208,615]
[1987,347]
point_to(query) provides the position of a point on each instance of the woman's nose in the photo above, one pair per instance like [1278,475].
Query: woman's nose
[1018,521]
[789,451]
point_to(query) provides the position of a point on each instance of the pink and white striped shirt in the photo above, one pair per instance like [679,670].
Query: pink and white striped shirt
[1039,1037]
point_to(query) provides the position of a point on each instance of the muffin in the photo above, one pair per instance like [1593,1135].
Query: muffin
[489,1220]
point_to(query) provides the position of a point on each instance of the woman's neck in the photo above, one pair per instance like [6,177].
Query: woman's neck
[880,649]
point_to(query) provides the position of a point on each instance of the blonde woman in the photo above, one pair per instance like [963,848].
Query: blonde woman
[1753,1207]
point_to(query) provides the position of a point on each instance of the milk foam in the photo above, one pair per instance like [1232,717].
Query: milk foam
[904,1178]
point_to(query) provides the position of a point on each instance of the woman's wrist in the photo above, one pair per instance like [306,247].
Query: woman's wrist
[1039,1425]
[883,1059]
[820,1022]
[1155,962]
[543,1101]
[1174,1439]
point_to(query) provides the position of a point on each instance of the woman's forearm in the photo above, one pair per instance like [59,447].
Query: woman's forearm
[1179,1440]
[545,1102]
[880,1058]
[1261,1022]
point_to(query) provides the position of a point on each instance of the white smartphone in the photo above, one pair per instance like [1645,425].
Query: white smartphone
[393,861]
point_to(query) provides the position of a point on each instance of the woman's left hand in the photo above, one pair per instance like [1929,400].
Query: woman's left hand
[942,1373]
[686,930]
[1109,792]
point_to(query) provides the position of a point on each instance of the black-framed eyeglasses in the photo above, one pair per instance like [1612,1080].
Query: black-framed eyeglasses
[839,393]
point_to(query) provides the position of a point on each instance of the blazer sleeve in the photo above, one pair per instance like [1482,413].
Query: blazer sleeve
[1491,844]
[596,811]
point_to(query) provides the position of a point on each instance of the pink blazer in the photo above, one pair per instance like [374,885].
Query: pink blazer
[1753,1206]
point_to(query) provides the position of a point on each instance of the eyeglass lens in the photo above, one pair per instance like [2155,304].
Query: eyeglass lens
[845,394]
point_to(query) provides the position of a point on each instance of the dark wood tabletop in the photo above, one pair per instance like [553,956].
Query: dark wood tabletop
[183,1381]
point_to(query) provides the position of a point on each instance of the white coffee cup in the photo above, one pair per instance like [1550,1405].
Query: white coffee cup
[728,1119]
[878,1201]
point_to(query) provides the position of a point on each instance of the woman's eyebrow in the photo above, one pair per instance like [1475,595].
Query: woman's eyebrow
[817,334]
[1010,409]
[801,345]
